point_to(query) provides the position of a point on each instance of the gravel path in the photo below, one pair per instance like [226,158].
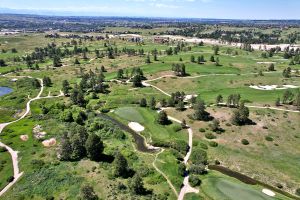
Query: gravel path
[14,154]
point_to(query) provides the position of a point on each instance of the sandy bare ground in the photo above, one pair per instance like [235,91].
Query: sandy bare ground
[220,42]
[136,127]
[273,87]
[14,154]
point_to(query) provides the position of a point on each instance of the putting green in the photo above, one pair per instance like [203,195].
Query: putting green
[220,188]
[130,114]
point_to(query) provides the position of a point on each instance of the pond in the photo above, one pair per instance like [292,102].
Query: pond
[5,90]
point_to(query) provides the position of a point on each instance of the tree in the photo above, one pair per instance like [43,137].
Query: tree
[148,61]
[35,83]
[94,147]
[65,87]
[2,63]
[88,193]
[180,106]
[212,59]
[56,61]
[120,164]
[155,57]
[162,118]
[277,102]
[287,96]
[65,148]
[297,100]
[215,125]
[47,81]
[217,61]
[216,49]
[76,62]
[183,124]
[287,72]
[153,103]
[271,67]
[120,74]
[143,102]
[240,116]
[78,148]
[219,99]
[136,185]
[199,111]
[192,58]
[137,81]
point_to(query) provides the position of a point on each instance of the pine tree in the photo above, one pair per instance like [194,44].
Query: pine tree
[162,118]
[120,164]
[94,147]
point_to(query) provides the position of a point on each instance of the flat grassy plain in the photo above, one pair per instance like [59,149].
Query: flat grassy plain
[6,168]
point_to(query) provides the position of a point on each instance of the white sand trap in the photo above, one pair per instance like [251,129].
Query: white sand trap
[49,143]
[272,87]
[266,62]
[268,192]
[24,137]
[136,126]
[189,97]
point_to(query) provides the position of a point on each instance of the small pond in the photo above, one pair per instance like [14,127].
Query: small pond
[5,90]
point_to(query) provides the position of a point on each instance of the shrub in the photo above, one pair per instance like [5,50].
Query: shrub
[203,146]
[194,181]
[245,142]
[269,138]
[213,144]
[210,136]
[2,149]
[198,169]
[202,130]
[104,110]
[10,179]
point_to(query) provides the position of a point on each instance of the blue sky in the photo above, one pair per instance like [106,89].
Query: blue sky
[229,9]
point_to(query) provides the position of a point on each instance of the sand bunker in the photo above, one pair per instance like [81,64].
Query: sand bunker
[24,137]
[49,143]
[266,62]
[136,126]
[189,97]
[272,87]
[268,192]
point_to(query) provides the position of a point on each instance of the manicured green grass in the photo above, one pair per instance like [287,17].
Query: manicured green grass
[217,186]
[130,114]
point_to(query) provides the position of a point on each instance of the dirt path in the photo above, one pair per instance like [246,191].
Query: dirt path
[14,154]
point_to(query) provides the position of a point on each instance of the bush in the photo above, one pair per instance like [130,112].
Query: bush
[210,136]
[202,130]
[198,169]
[245,142]
[213,144]
[105,110]
[194,181]
[203,146]
[269,138]
[2,149]
[10,179]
